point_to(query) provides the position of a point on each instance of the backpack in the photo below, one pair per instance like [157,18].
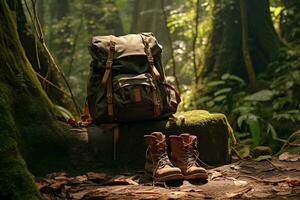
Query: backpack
[127,81]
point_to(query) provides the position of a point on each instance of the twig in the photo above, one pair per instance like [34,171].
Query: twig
[64,78]
[38,35]
[52,84]
[31,17]
[265,181]
[274,165]
[293,144]
[39,32]
[236,152]
[206,165]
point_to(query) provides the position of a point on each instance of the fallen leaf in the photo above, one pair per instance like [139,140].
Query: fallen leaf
[235,167]
[121,180]
[240,183]
[176,195]
[78,180]
[238,193]
[286,156]
[97,177]
[214,175]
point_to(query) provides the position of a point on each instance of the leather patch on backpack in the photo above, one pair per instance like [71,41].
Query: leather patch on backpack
[137,94]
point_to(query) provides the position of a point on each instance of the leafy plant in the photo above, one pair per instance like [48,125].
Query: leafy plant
[62,113]
[258,115]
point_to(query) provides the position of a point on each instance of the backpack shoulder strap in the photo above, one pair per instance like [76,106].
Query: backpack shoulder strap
[149,55]
[107,79]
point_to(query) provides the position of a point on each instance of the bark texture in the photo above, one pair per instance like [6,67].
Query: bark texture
[224,53]
[28,129]
[37,57]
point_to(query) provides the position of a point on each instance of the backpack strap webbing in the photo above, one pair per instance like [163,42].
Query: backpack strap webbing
[107,79]
[155,74]
[150,59]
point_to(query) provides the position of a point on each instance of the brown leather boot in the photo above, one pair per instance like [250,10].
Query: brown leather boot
[185,157]
[158,163]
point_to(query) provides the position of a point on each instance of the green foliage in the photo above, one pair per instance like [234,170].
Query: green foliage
[263,95]
[255,115]
[276,11]
[181,23]
[62,113]
[289,21]
[219,93]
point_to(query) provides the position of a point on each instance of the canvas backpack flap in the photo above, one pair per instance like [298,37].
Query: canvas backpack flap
[128,45]
[129,54]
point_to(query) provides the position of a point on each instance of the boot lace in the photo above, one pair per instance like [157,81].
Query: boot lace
[163,159]
[191,155]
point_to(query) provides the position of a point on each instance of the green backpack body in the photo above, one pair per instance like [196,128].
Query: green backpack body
[127,81]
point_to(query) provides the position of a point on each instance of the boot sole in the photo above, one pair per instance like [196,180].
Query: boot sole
[196,176]
[170,177]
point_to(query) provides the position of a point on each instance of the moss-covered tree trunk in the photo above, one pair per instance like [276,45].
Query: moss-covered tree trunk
[225,53]
[28,129]
[38,59]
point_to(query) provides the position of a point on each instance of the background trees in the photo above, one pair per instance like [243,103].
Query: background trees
[210,48]
[218,53]
[225,46]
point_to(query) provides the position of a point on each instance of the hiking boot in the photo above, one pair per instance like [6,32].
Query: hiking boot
[158,163]
[184,156]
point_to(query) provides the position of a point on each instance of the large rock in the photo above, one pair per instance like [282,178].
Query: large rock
[126,148]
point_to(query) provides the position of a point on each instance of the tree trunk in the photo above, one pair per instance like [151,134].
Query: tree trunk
[225,54]
[28,129]
[245,45]
[148,17]
[38,58]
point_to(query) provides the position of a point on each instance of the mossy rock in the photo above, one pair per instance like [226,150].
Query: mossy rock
[212,131]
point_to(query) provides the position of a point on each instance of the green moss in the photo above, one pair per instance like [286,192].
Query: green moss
[16,181]
[199,117]
[27,126]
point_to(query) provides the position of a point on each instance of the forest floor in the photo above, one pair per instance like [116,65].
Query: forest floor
[277,178]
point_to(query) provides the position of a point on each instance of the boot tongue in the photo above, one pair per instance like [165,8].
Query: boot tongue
[160,138]
[158,135]
[188,139]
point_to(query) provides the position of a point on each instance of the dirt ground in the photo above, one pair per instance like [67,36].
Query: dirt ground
[278,178]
